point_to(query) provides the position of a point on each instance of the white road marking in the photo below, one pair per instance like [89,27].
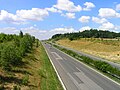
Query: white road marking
[56,55]
[64,58]
[90,68]
[74,81]
[63,85]
[78,69]
[87,82]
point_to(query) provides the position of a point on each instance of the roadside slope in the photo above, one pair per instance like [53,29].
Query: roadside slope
[36,73]
[107,49]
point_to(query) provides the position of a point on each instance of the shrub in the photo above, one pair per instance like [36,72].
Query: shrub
[25,79]
[42,73]
[10,56]
[2,87]
[16,88]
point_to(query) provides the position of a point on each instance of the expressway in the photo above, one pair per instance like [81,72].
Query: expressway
[77,76]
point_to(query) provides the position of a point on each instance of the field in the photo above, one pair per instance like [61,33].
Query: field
[36,73]
[105,48]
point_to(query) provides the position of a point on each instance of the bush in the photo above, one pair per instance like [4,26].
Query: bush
[10,56]
[16,88]
[25,79]
[2,87]
[11,52]
[41,72]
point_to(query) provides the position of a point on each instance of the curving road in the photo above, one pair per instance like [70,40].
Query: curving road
[77,76]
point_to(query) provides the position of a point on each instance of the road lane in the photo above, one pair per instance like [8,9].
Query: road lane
[77,76]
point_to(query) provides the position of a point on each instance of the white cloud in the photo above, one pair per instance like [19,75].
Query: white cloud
[52,9]
[118,7]
[38,33]
[54,31]
[22,16]
[67,5]
[45,34]
[118,15]
[85,28]
[62,30]
[36,14]
[99,20]
[108,12]
[9,30]
[10,18]
[89,6]
[84,19]
[69,15]
[107,26]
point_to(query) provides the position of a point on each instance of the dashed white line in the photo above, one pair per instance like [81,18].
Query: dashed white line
[56,55]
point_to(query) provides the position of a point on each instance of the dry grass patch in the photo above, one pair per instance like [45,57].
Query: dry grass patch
[108,49]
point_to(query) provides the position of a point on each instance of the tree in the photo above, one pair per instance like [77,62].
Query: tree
[92,33]
[10,56]
[37,43]
[71,38]
[21,34]
[13,48]
[26,44]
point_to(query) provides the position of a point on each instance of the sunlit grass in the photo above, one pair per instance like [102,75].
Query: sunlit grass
[106,48]
[49,80]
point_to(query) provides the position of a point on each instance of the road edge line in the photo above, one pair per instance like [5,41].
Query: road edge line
[90,67]
[55,70]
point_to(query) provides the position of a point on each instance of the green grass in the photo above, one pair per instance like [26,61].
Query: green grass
[49,80]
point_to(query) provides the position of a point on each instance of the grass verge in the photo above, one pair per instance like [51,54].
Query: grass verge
[49,80]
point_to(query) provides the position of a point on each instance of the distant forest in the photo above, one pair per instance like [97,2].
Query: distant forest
[92,33]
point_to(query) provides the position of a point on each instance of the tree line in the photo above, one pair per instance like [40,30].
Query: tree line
[92,33]
[13,48]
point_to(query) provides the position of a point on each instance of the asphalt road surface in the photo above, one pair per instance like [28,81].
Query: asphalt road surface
[77,76]
[93,57]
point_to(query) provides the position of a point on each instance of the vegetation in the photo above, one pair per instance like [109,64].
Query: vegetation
[100,43]
[22,60]
[104,44]
[25,79]
[13,48]
[108,49]
[48,77]
[99,65]
[92,33]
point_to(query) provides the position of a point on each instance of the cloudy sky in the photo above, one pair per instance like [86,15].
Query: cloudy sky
[43,18]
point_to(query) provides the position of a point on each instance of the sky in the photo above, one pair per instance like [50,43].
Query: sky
[44,18]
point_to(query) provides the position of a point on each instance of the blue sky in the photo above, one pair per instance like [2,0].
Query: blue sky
[44,18]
